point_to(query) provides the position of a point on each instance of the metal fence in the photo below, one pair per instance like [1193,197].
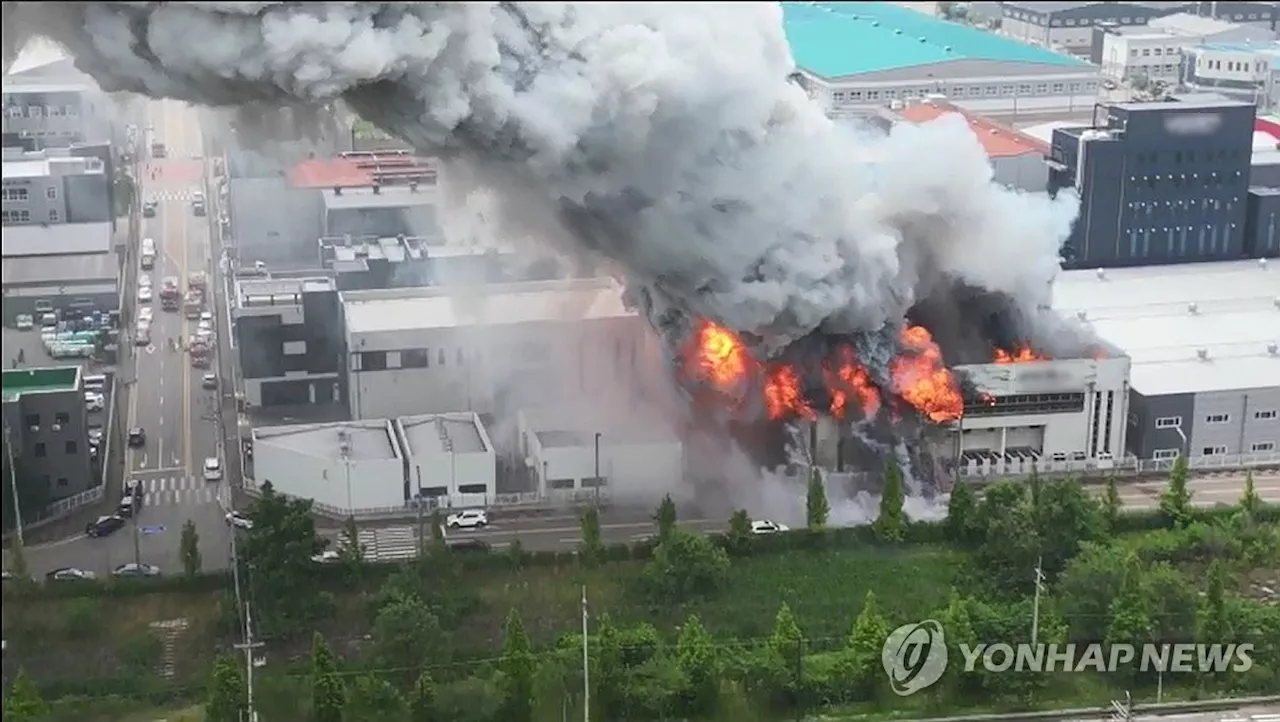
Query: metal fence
[532,502]
[64,507]
[1124,467]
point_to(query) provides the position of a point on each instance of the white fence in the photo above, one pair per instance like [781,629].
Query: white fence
[1123,467]
[63,507]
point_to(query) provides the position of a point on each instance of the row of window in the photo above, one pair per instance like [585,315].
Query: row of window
[1177,239]
[61,418]
[1039,19]
[1181,207]
[22,194]
[964,91]
[1157,52]
[1260,447]
[1189,156]
[7,217]
[423,358]
[40,451]
[1233,66]
[41,111]
[1175,422]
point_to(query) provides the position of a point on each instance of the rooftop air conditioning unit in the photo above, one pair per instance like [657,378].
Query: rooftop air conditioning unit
[1273,349]
[1102,274]
[1193,308]
[1082,315]
[1262,263]
[1202,354]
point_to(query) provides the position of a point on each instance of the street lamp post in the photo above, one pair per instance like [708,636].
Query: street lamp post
[597,478]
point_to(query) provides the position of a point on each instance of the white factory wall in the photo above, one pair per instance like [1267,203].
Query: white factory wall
[527,364]
[624,464]
[374,483]
[447,474]
[984,92]
[1026,172]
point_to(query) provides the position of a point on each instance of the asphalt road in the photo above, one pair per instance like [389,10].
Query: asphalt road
[165,397]
[1266,713]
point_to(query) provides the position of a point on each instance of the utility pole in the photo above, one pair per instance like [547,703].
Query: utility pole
[248,646]
[1035,607]
[597,468]
[13,486]
[137,540]
[586,662]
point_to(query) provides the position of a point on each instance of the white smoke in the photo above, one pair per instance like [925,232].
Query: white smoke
[665,137]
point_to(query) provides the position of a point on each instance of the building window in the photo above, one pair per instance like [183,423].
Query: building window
[1214,450]
[1217,418]
[71,447]
[39,450]
[34,111]
[61,418]
[62,481]
[32,421]
[1263,447]
[415,358]
[51,193]
[440,357]
[1164,454]
[1169,422]
[15,194]
[373,361]
[1268,415]
[1057,88]
[53,216]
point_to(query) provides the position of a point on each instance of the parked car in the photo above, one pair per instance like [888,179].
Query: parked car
[95,435]
[71,574]
[209,381]
[137,437]
[133,487]
[94,401]
[469,519]
[238,520]
[104,526]
[144,279]
[146,314]
[149,209]
[129,505]
[764,526]
[133,569]
[212,469]
[328,556]
[144,294]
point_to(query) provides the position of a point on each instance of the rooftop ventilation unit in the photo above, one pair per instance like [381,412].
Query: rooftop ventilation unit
[1202,354]
[1193,308]
[1276,301]
[1273,349]
[337,190]
[1082,315]
[1102,274]
[1262,263]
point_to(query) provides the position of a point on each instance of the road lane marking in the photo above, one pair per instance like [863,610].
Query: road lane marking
[56,544]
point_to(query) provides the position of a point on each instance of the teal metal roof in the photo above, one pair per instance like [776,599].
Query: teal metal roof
[836,39]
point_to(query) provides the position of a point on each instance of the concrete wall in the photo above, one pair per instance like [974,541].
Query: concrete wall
[373,482]
[274,222]
[1232,422]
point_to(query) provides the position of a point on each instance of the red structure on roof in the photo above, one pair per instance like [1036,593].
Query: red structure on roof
[365,168]
[1000,141]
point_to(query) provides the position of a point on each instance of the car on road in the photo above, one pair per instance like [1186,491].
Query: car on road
[133,487]
[129,505]
[94,401]
[146,314]
[764,526]
[206,316]
[95,435]
[70,574]
[212,469]
[104,526]
[209,381]
[469,545]
[469,519]
[238,520]
[328,556]
[144,279]
[144,294]
[204,330]
[134,569]
[137,437]
[24,322]
[142,334]
[149,209]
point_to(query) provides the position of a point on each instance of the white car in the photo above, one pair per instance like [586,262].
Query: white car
[204,328]
[328,556]
[144,280]
[145,314]
[133,569]
[144,294]
[238,520]
[93,401]
[206,316]
[469,519]
[212,469]
[764,526]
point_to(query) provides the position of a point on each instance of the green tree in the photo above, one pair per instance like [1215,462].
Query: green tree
[1250,502]
[665,518]
[1129,619]
[739,537]
[189,548]
[1090,585]
[1175,500]
[516,555]
[1213,619]
[371,698]
[279,548]
[328,695]
[608,669]
[18,561]
[1010,549]
[816,507]
[1112,504]
[24,703]
[352,550]
[422,700]
[696,659]
[962,512]
[1066,516]
[890,525]
[866,643]
[518,667]
[406,634]
[439,547]
[959,631]
[1172,598]
[686,566]
[786,644]
[227,693]
[592,549]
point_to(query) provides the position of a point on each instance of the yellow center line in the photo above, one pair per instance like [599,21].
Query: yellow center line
[185,226]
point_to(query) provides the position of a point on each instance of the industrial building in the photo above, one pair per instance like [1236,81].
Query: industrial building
[578,448]
[1017,159]
[452,461]
[856,56]
[1155,52]
[1205,375]
[370,262]
[54,105]
[342,466]
[1163,182]
[67,285]
[54,187]
[484,348]
[46,427]
[1242,71]
[440,460]
[288,339]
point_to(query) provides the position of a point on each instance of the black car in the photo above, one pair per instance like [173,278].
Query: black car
[137,437]
[104,526]
[469,545]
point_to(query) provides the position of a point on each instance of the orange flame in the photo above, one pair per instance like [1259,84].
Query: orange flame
[1022,354]
[720,357]
[850,377]
[782,394]
[923,381]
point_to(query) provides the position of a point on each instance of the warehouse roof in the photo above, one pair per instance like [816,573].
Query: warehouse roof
[1000,141]
[383,197]
[61,268]
[403,309]
[362,440]
[58,238]
[837,39]
[1164,317]
[460,433]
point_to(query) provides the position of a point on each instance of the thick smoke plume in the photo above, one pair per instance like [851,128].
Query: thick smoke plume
[664,137]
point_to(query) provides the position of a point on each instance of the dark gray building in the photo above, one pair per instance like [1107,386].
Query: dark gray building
[54,105]
[46,426]
[71,285]
[1163,182]
[1262,225]
[289,340]
[54,187]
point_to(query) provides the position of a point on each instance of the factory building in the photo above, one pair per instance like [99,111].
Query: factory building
[53,188]
[54,105]
[1155,52]
[853,57]
[1202,338]
[575,449]
[452,462]
[1263,223]
[46,427]
[1017,159]
[485,348]
[342,466]
[1242,71]
[370,262]
[288,340]
[1163,182]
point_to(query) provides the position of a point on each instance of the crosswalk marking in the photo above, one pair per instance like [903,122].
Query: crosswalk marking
[172,194]
[179,491]
[386,544]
